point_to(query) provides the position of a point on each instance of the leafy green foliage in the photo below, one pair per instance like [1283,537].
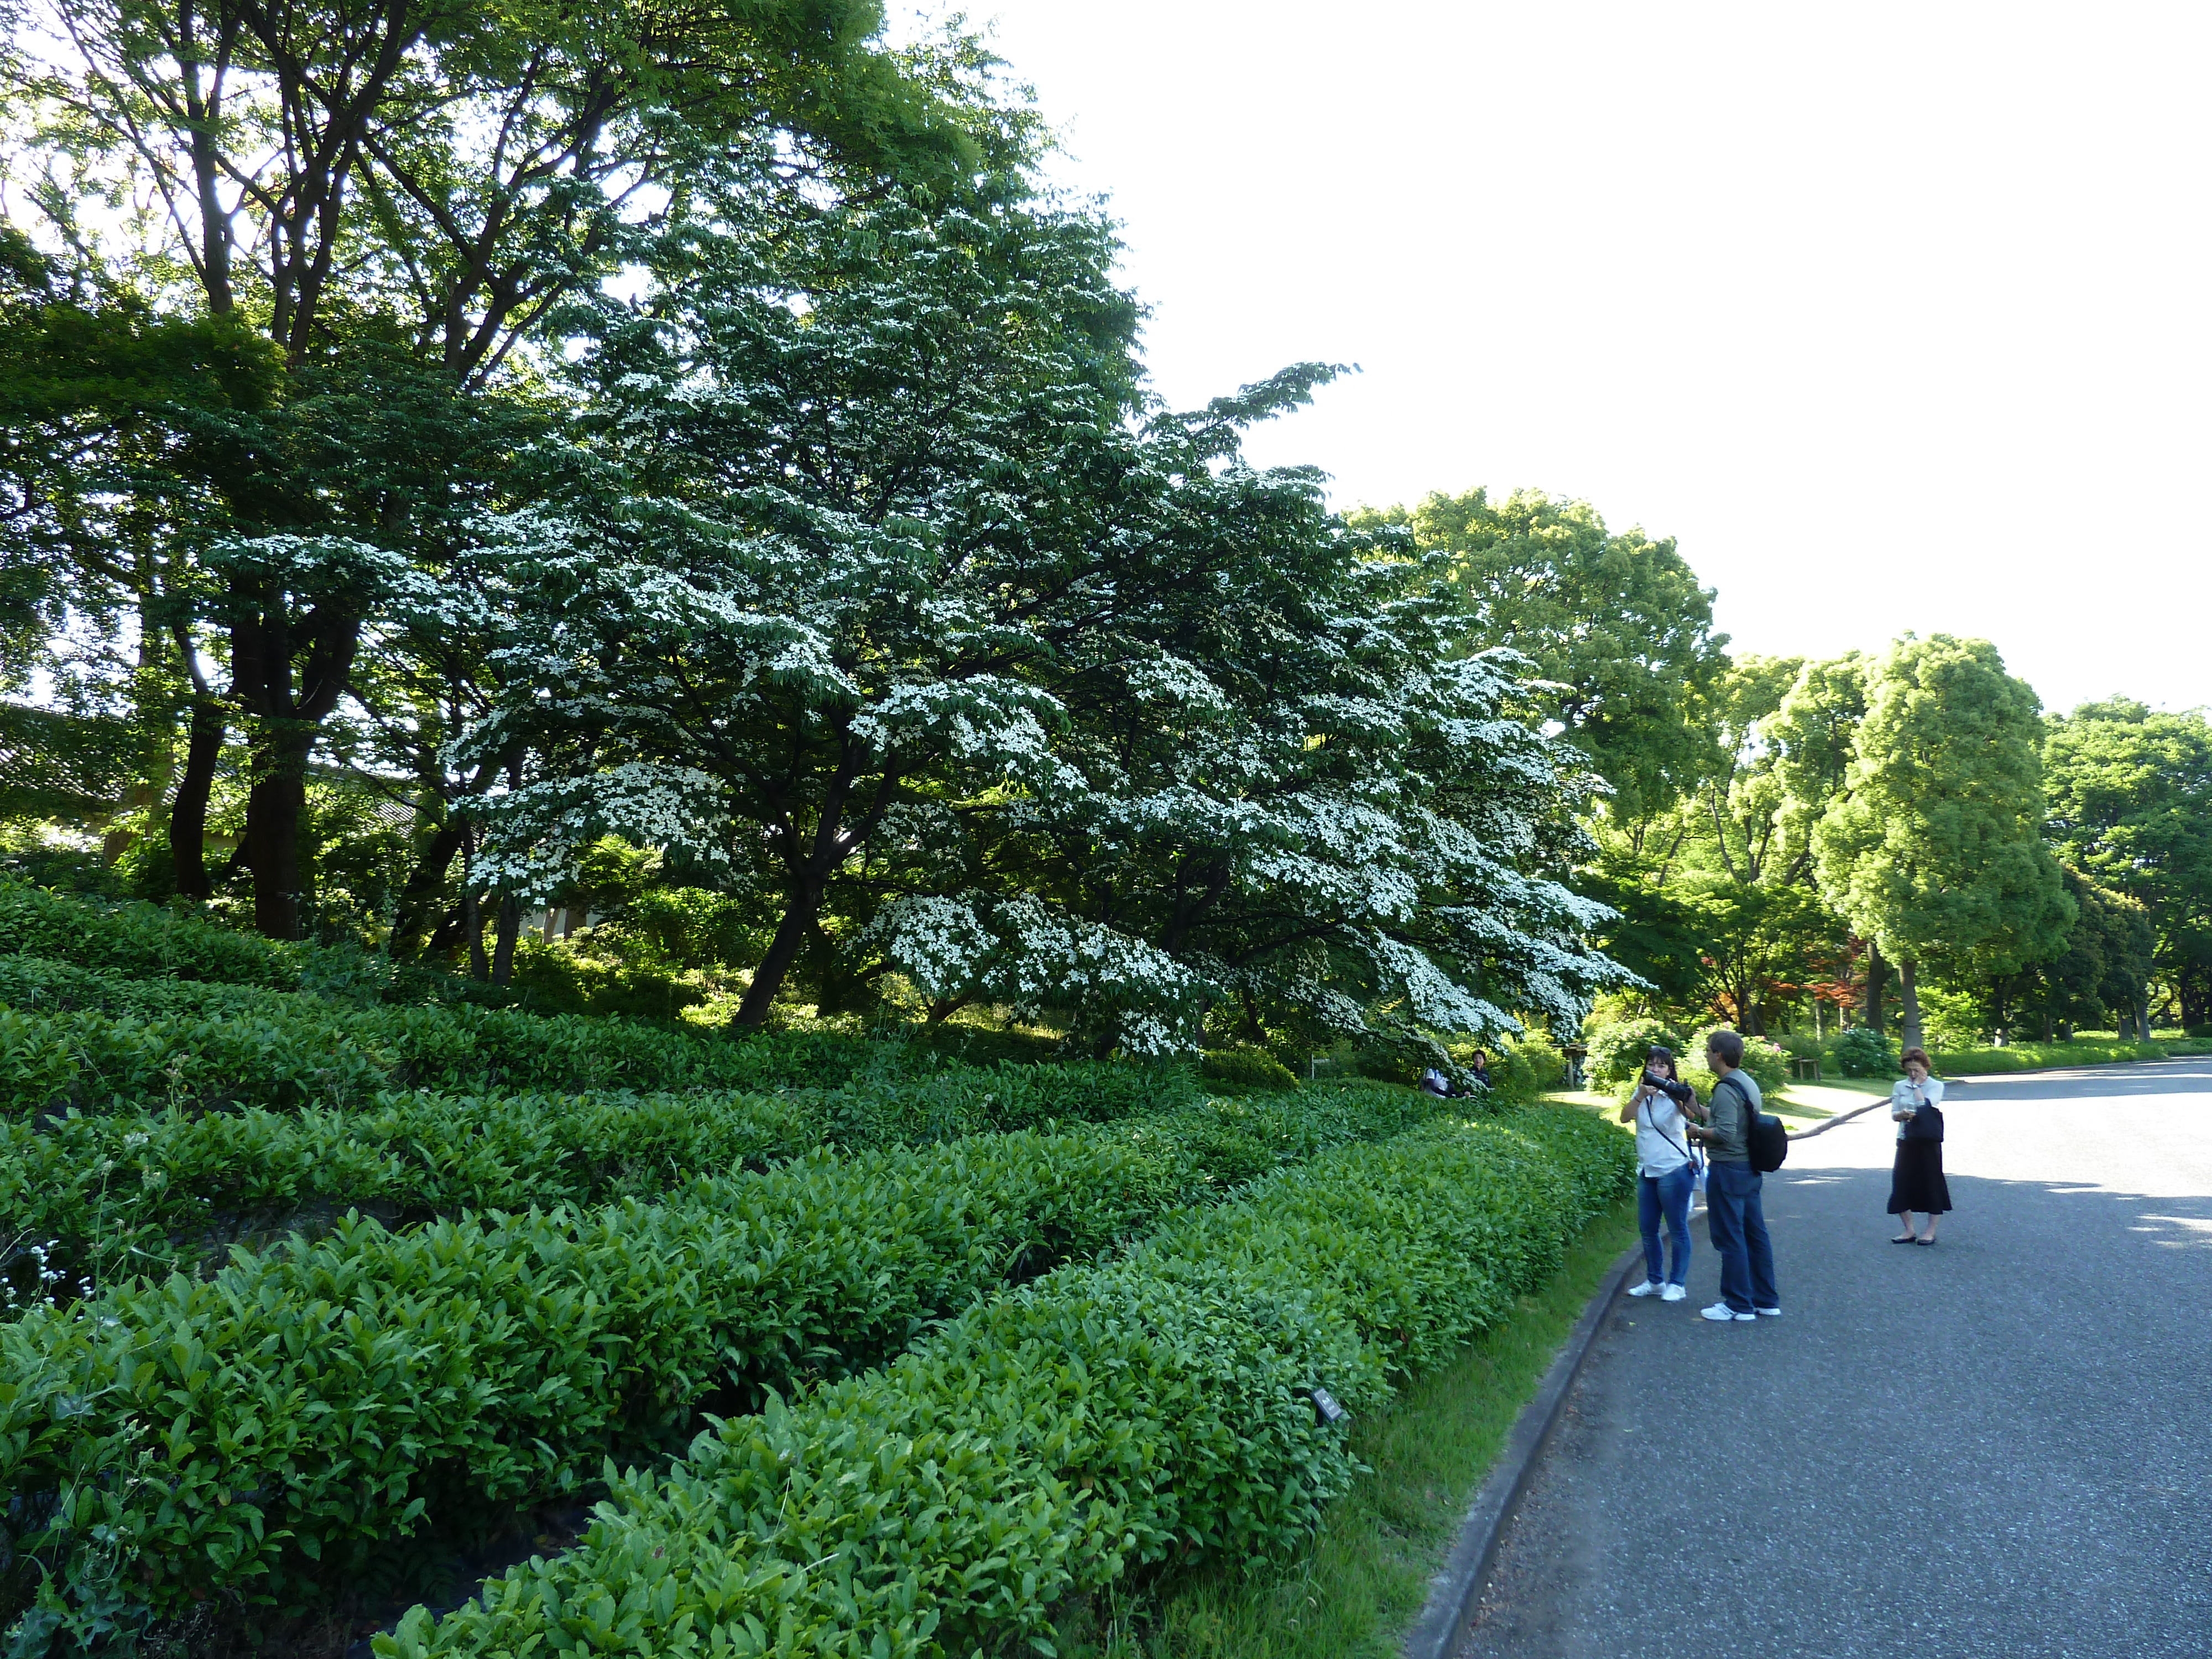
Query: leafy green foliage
[1767,1064]
[133,1193]
[269,1429]
[2131,808]
[1527,1068]
[1616,621]
[1617,1047]
[141,941]
[1864,1052]
[1936,850]
[1053,1441]
[73,1037]
[1241,1071]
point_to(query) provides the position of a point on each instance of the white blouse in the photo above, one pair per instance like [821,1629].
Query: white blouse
[1900,1097]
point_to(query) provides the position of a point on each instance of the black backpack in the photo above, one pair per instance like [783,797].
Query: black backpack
[1764,1140]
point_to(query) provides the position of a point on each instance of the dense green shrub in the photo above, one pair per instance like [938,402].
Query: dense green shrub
[954,1099]
[1056,1440]
[267,1430]
[1526,1068]
[300,1051]
[138,1193]
[1245,1071]
[2032,1056]
[563,981]
[140,940]
[95,1040]
[1864,1052]
[480,1362]
[1764,1062]
[1617,1047]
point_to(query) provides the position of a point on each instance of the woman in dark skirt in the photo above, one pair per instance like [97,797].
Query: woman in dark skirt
[1917,1181]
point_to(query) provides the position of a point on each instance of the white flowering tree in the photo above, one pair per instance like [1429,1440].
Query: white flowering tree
[877,587]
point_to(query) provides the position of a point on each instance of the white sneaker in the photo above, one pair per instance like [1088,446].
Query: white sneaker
[1767,1313]
[1720,1313]
[1673,1293]
[1649,1287]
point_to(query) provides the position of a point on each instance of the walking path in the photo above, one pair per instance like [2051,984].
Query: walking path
[1999,1447]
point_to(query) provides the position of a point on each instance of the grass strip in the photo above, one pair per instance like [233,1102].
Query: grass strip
[1354,1591]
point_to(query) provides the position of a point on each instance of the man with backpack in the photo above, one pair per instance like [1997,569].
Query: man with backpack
[1739,1139]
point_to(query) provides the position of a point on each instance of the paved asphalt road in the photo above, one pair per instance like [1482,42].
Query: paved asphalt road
[2002,1446]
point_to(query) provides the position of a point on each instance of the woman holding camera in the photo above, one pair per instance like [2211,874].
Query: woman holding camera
[1666,1174]
[1917,1181]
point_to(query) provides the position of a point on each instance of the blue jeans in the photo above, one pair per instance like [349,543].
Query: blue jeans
[1737,1222]
[1669,1196]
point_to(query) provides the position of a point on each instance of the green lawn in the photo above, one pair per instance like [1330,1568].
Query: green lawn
[1354,1591]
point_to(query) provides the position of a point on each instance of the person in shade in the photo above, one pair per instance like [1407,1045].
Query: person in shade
[1916,1181]
[1735,1214]
[1660,1108]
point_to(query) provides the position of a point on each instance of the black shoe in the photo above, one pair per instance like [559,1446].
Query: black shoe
[1909,1238]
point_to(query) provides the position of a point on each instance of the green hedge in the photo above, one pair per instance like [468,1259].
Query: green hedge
[136,1193]
[1617,1047]
[111,1195]
[142,941]
[264,1432]
[286,1054]
[1246,1071]
[1054,1440]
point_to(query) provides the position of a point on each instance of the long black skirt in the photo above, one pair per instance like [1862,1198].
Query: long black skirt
[1917,1182]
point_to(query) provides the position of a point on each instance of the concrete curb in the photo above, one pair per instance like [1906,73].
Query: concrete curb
[1436,1634]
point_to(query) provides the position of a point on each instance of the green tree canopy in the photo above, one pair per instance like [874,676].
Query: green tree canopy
[1934,850]
[2130,806]
[1616,621]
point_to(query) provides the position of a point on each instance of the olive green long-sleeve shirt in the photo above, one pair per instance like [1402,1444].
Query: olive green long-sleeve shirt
[1734,1098]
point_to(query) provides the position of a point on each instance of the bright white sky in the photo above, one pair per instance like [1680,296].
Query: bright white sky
[1895,316]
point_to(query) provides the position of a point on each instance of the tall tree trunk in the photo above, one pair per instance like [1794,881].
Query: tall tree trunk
[800,912]
[265,639]
[1870,1009]
[502,950]
[425,882]
[1908,997]
[472,925]
[471,906]
[188,813]
[810,868]
[2142,1015]
[274,808]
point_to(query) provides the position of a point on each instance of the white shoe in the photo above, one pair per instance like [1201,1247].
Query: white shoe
[1767,1313]
[1720,1313]
[1649,1287]
[1673,1293]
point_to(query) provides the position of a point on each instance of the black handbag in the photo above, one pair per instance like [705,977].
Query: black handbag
[1926,1124]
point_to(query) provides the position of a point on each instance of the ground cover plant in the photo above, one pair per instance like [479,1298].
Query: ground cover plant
[1353,1592]
[519,1351]
[1058,1440]
[108,1195]
[113,1195]
[75,1036]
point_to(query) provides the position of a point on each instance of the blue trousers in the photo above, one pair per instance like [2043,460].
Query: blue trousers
[1667,1195]
[1737,1221]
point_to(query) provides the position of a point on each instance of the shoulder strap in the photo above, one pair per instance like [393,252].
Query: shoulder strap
[1663,1135]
